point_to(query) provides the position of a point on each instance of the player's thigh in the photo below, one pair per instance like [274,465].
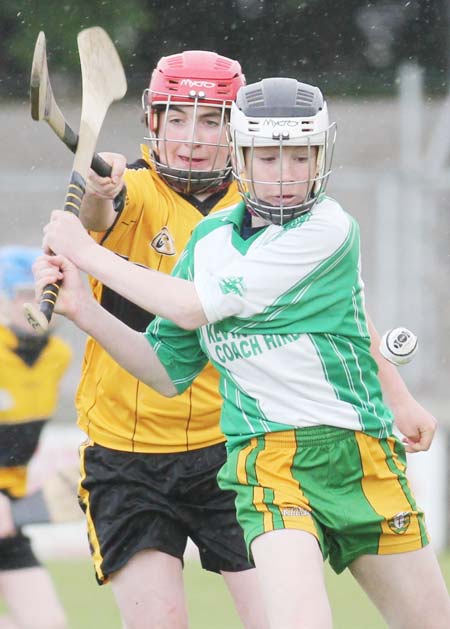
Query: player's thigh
[26,587]
[289,565]
[31,598]
[408,588]
[246,592]
[149,591]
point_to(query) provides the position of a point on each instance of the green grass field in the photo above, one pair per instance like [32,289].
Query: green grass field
[92,607]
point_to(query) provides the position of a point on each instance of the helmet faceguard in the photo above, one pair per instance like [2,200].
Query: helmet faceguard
[280,112]
[193,78]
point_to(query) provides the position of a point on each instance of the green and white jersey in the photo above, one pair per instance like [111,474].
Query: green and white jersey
[287,328]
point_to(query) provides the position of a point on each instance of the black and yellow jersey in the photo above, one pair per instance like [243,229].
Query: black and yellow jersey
[115,409]
[28,397]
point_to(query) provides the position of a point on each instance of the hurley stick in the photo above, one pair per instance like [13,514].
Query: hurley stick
[103,81]
[44,105]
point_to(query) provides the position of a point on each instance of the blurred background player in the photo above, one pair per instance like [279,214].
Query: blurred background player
[149,469]
[31,369]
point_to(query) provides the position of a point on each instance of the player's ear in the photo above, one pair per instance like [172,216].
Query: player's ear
[153,121]
[150,120]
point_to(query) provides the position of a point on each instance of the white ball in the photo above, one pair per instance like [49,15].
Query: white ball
[399,345]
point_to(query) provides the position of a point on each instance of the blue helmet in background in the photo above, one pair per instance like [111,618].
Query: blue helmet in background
[16,268]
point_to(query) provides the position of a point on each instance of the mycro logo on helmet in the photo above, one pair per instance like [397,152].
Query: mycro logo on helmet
[192,83]
[270,122]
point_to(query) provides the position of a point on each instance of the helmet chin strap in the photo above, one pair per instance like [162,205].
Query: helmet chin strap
[194,182]
[277,214]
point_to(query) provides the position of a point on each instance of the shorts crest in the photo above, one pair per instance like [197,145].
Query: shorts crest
[400,522]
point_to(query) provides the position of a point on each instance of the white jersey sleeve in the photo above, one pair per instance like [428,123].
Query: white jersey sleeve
[279,264]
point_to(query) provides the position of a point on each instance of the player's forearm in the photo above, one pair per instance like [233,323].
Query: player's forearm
[97,210]
[169,297]
[126,346]
[392,384]
[97,214]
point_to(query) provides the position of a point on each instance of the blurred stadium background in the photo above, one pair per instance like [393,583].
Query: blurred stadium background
[384,68]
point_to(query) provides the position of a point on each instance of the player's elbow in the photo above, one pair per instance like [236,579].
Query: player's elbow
[188,322]
[190,318]
[164,386]
[185,323]
[168,391]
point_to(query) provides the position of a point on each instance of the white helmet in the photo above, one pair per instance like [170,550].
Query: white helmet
[280,112]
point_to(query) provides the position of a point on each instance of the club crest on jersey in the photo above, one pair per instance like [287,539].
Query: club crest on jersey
[400,522]
[232,285]
[163,243]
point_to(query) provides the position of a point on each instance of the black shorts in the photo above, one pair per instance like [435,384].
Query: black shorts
[16,553]
[136,501]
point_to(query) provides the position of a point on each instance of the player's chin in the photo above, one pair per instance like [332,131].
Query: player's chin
[184,162]
[285,201]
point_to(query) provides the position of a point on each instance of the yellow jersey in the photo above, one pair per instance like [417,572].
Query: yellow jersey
[28,398]
[114,408]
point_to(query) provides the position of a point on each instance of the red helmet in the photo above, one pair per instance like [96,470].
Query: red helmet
[195,74]
[193,77]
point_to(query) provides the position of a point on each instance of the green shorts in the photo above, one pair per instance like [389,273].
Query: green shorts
[346,488]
